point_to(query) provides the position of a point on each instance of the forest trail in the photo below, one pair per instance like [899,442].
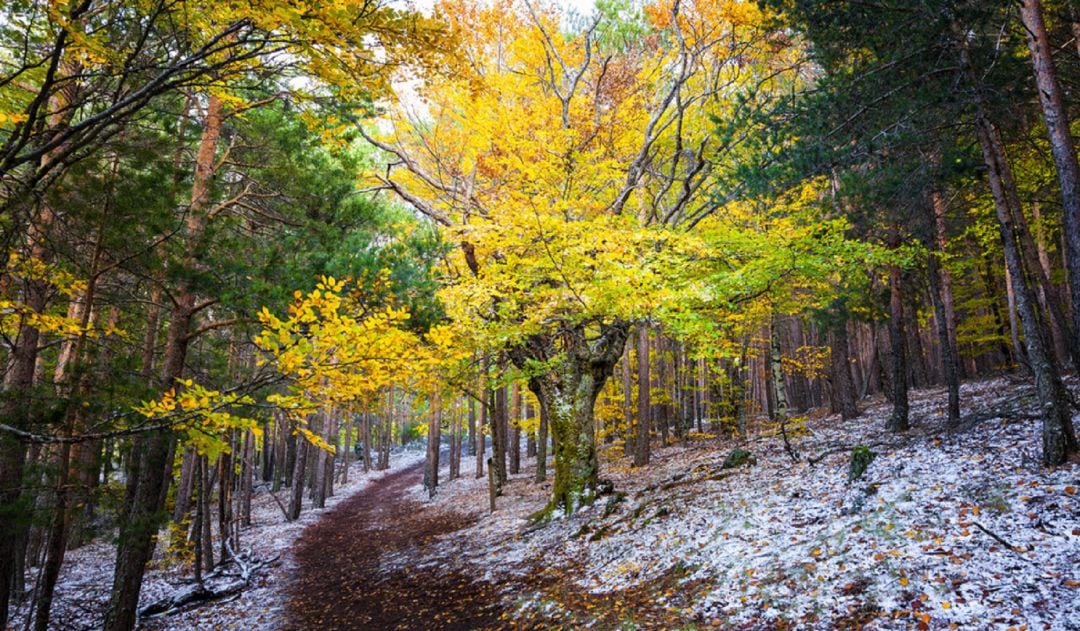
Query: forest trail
[347,576]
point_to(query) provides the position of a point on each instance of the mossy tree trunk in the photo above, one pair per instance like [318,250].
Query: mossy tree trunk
[573,367]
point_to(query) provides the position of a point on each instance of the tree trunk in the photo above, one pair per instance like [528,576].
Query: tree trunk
[569,392]
[1059,438]
[56,544]
[152,452]
[388,434]
[844,397]
[455,442]
[226,475]
[204,538]
[346,453]
[365,430]
[948,303]
[776,381]
[185,485]
[431,465]
[247,478]
[628,404]
[1061,146]
[318,482]
[18,381]
[472,426]
[197,529]
[296,500]
[499,423]
[480,440]
[660,409]
[333,438]
[644,408]
[1058,330]
[515,431]
[949,356]
[898,420]
[541,436]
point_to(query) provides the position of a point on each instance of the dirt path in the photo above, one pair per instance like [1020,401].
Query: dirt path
[356,568]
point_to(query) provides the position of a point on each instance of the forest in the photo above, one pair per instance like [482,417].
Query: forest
[471,314]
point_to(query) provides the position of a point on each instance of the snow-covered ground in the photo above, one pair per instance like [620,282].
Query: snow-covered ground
[944,530]
[83,590]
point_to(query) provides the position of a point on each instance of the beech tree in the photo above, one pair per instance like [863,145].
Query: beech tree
[563,172]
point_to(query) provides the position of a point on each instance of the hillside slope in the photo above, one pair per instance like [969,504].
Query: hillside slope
[943,529]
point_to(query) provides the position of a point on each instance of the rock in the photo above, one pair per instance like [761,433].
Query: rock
[861,457]
[737,458]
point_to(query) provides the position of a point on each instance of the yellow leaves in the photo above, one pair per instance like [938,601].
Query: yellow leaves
[205,416]
[9,119]
[56,321]
[337,354]
[315,439]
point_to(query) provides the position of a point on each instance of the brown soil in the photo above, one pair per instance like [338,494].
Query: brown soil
[346,577]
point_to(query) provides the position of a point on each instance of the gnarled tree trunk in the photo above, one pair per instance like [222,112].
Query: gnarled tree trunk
[579,369]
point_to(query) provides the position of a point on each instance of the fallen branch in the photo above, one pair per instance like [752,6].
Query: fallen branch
[997,538]
[842,448]
[284,511]
[195,594]
[201,594]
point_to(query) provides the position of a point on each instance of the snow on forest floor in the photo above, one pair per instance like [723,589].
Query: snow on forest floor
[944,530]
[83,591]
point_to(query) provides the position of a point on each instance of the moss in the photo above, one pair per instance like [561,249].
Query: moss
[861,457]
[737,458]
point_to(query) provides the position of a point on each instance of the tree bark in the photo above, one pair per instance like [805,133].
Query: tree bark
[318,483]
[499,423]
[1062,147]
[515,431]
[472,426]
[660,409]
[898,420]
[480,440]
[1059,438]
[541,436]
[296,500]
[569,390]
[455,442]
[346,453]
[431,465]
[365,431]
[949,356]
[948,302]
[644,407]
[845,401]
[776,381]
[629,445]
[152,452]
